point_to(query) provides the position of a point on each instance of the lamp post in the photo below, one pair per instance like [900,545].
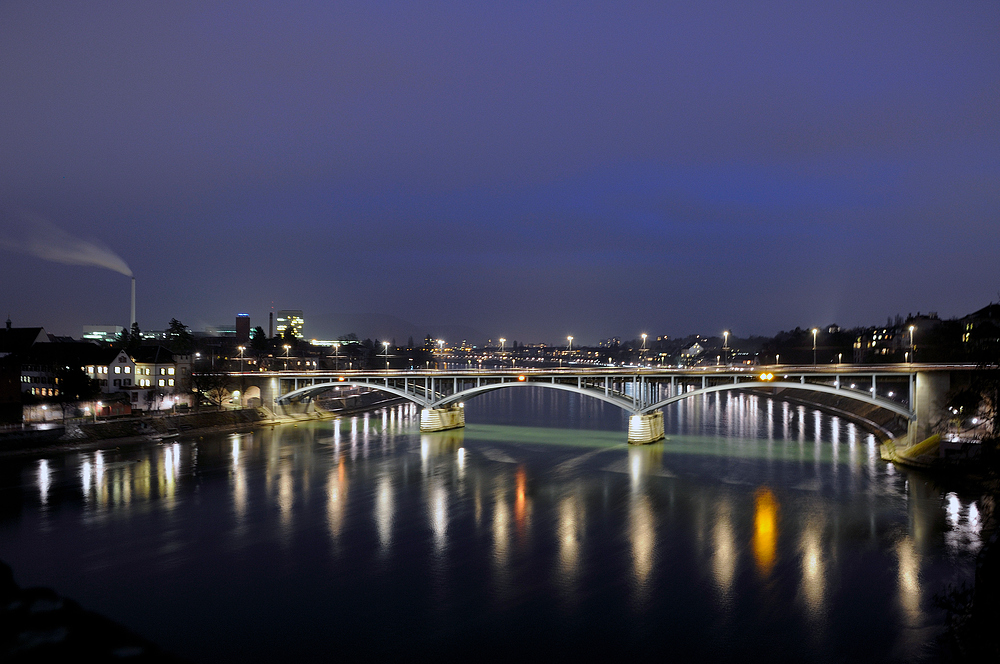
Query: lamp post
[911,343]
[502,342]
[815,332]
[725,346]
[777,358]
[570,346]
[336,356]
[386,344]
[242,348]
[287,348]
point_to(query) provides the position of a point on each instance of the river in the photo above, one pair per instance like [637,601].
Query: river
[758,531]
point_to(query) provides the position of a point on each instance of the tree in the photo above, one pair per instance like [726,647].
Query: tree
[210,386]
[75,385]
[179,338]
[288,338]
[258,340]
[134,339]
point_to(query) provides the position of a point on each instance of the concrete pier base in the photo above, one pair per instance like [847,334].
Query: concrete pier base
[643,429]
[442,419]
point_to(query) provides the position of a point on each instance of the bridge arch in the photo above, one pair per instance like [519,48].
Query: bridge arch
[896,408]
[622,402]
[593,392]
[311,390]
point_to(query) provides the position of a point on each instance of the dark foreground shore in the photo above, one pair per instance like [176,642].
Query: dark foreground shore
[38,625]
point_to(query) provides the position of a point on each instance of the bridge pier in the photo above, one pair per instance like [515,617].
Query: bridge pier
[442,419]
[930,393]
[644,429]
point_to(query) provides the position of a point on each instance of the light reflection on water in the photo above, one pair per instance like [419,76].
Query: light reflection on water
[752,515]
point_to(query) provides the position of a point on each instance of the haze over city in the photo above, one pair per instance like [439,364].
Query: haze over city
[525,171]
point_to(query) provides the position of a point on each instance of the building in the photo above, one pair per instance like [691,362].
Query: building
[290,319]
[149,376]
[104,334]
[242,328]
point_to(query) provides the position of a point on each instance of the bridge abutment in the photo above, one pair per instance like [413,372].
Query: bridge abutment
[645,428]
[442,419]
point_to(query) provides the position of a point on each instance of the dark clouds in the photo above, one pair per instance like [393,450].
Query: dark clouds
[530,171]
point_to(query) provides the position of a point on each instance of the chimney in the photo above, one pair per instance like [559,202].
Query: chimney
[132,323]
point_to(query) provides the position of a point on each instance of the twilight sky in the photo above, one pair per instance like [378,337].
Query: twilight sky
[525,169]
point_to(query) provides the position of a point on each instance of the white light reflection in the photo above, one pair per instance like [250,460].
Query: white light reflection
[44,481]
[642,534]
[437,514]
[239,482]
[909,581]
[286,493]
[86,471]
[570,534]
[501,543]
[813,570]
[964,534]
[384,512]
[725,554]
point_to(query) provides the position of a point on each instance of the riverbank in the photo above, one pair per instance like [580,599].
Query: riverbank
[88,436]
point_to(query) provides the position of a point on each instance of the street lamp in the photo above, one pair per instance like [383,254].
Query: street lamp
[386,344]
[777,358]
[911,343]
[502,342]
[242,348]
[815,332]
[570,340]
[725,346]
[336,355]
[287,348]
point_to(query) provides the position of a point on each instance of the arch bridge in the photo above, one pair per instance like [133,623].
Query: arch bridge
[906,393]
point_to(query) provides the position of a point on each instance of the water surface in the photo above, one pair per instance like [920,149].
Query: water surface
[758,530]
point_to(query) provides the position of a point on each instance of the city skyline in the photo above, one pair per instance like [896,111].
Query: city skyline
[527,172]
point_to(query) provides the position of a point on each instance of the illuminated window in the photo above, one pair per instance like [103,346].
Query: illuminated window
[90,369]
[128,370]
[170,382]
[160,383]
[170,371]
[118,370]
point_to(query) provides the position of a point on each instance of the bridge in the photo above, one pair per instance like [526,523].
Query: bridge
[910,394]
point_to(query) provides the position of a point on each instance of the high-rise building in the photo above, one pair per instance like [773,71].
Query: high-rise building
[290,319]
[242,328]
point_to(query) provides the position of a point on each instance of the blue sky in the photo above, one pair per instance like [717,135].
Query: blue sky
[529,170]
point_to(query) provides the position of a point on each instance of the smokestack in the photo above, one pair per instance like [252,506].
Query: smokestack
[133,304]
[270,325]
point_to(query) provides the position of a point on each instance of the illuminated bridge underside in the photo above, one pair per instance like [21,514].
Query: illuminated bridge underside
[896,408]
[636,395]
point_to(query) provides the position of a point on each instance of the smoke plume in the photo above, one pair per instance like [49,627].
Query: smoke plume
[42,238]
